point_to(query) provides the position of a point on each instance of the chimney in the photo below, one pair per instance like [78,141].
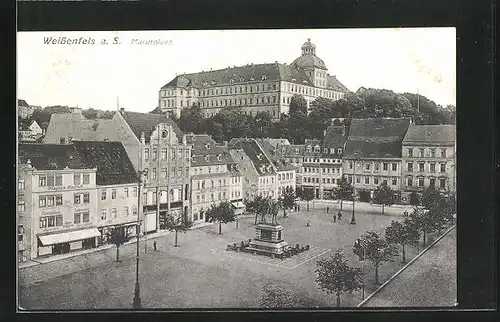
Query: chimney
[143,139]
[122,110]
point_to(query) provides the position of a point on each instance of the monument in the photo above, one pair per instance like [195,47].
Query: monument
[268,239]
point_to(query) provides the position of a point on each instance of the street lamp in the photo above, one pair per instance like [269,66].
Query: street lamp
[137,296]
[363,246]
[353,218]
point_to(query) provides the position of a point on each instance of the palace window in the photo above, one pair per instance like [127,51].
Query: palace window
[443,153]
[86,179]
[442,183]
[442,167]
[409,166]
[394,181]
[432,167]
[86,198]
[432,182]
[103,214]
[421,181]
[409,181]
[20,184]
[386,166]
[421,167]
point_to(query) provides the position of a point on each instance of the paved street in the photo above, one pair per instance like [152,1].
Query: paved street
[429,281]
[201,273]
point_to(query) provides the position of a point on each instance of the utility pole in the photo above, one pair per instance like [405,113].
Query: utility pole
[137,297]
[353,218]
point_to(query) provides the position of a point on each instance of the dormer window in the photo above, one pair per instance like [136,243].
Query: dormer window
[325,151]
[207,146]
[294,80]
[339,150]
[207,158]
[213,82]
[241,79]
[316,148]
[231,81]
[205,84]
[192,159]
[269,169]
[252,78]
[259,156]
[264,77]
[332,151]
[308,148]
[283,151]
[164,134]
[297,151]
[219,157]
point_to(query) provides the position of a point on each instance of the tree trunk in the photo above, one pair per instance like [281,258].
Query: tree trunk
[256,215]
[376,274]
[338,299]
[284,212]
[341,204]
[220,228]
[424,238]
[307,205]
[117,253]
[404,258]
[175,238]
[382,209]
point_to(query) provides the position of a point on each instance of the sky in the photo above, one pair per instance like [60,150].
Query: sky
[99,75]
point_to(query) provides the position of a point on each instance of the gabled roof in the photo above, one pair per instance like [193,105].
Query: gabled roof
[204,145]
[50,156]
[146,122]
[335,137]
[77,126]
[22,103]
[110,159]
[292,150]
[333,83]
[280,141]
[42,118]
[255,154]
[376,138]
[445,134]
[274,155]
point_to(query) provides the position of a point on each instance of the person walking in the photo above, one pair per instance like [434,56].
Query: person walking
[339,215]
[327,209]
[154,245]
[334,218]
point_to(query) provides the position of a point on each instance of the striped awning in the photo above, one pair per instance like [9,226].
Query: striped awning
[69,236]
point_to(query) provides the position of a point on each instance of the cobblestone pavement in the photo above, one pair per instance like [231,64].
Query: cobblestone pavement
[200,273]
[429,281]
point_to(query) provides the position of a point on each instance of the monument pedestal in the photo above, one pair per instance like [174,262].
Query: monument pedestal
[268,239]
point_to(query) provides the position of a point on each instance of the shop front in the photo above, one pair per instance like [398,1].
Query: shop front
[64,242]
[105,231]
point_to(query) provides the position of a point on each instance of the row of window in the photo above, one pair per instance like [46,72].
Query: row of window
[175,172]
[224,90]
[421,152]
[421,167]
[81,217]
[316,180]
[266,193]
[56,180]
[209,169]
[265,180]
[238,102]
[432,182]
[324,170]
[282,189]
[299,89]
[154,154]
[222,182]
[104,193]
[51,221]
[321,160]
[114,212]
[219,196]
[375,180]
[385,166]
[285,176]
[50,201]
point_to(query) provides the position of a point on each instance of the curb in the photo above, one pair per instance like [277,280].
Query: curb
[404,267]
[32,263]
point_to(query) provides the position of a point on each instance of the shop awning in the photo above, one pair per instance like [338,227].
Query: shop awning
[69,236]
[238,204]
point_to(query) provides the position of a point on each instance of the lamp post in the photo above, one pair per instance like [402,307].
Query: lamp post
[137,296]
[353,218]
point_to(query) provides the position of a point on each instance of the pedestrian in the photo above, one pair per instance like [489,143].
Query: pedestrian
[299,207]
[308,224]
[327,209]
[339,215]
[334,218]
[154,245]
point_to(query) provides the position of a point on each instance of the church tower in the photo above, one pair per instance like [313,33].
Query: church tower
[314,66]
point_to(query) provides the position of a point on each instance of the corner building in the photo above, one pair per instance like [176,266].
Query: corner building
[254,87]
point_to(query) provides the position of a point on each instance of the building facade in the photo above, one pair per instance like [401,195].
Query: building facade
[214,176]
[24,110]
[373,155]
[428,158]
[49,172]
[254,87]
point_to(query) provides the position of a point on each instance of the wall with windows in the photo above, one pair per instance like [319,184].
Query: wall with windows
[268,185]
[285,179]
[249,175]
[310,93]
[58,197]
[370,173]
[425,165]
[24,213]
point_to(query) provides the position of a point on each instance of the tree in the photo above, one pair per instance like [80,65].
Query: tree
[383,195]
[117,236]
[414,199]
[191,119]
[178,224]
[222,213]
[427,221]
[375,249]
[258,206]
[343,191]
[288,199]
[402,233]
[307,195]
[278,296]
[431,197]
[335,276]
[261,125]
